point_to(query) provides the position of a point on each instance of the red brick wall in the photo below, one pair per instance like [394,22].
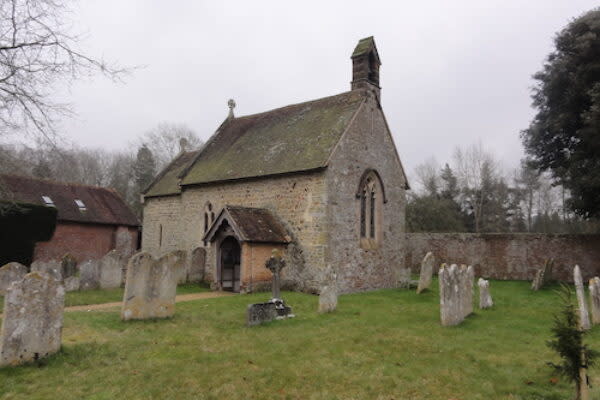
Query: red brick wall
[508,256]
[83,241]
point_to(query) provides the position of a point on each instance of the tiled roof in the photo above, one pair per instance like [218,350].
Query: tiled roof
[101,205]
[295,138]
[167,182]
[250,225]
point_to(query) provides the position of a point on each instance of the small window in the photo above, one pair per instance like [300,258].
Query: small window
[48,201]
[160,235]
[80,204]
[209,216]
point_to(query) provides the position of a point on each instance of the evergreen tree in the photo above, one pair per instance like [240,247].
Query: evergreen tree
[144,170]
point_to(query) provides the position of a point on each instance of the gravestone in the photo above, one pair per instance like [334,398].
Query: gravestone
[485,298]
[68,266]
[151,286]
[89,275]
[197,265]
[260,313]
[426,272]
[32,320]
[456,293]
[543,276]
[51,267]
[9,273]
[584,317]
[110,270]
[595,299]
[71,284]
[328,296]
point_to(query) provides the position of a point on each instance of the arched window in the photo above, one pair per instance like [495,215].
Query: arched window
[371,195]
[209,216]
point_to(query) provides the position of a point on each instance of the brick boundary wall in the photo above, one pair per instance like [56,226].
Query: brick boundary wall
[513,256]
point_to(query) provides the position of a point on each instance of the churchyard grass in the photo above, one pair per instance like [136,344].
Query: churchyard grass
[85,297]
[386,344]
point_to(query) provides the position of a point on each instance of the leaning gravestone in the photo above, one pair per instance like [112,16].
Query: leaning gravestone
[32,320]
[111,268]
[426,272]
[595,299]
[485,298]
[151,286]
[68,266]
[543,276]
[584,317]
[197,265]
[51,267]
[89,275]
[9,273]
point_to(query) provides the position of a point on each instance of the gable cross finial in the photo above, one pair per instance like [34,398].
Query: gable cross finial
[231,105]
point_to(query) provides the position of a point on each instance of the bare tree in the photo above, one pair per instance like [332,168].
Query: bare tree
[475,169]
[428,176]
[167,139]
[37,50]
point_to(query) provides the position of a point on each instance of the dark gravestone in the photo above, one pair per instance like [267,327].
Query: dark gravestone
[260,313]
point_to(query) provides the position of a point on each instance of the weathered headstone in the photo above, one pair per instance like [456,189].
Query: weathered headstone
[404,278]
[584,317]
[485,298]
[456,293]
[151,286]
[71,284]
[543,276]
[9,273]
[68,266]
[32,320]
[111,268]
[89,275]
[259,313]
[51,267]
[426,272]
[328,296]
[595,299]
[197,265]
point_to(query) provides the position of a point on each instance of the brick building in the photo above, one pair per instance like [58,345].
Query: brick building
[91,220]
[321,181]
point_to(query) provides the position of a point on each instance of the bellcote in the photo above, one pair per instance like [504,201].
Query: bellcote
[365,66]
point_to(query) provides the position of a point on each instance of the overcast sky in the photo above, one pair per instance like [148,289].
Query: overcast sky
[453,72]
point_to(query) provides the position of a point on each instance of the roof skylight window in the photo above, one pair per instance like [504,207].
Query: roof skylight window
[80,204]
[48,201]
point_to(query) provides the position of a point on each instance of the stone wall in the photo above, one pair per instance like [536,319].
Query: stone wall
[297,199]
[367,144]
[508,256]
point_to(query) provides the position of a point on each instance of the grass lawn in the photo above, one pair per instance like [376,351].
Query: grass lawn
[386,344]
[110,295]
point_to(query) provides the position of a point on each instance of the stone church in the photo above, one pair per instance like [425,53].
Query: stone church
[320,181]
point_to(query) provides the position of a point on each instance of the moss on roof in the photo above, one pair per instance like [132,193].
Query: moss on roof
[167,182]
[295,138]
[363,46]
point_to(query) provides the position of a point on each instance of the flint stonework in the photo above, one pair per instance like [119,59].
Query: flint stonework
[111,268]
[9,273]
[584,318]
[33,319]
[151,286]
[595,299]
[89,275]
[426,272]
[485,298]
[52,268]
